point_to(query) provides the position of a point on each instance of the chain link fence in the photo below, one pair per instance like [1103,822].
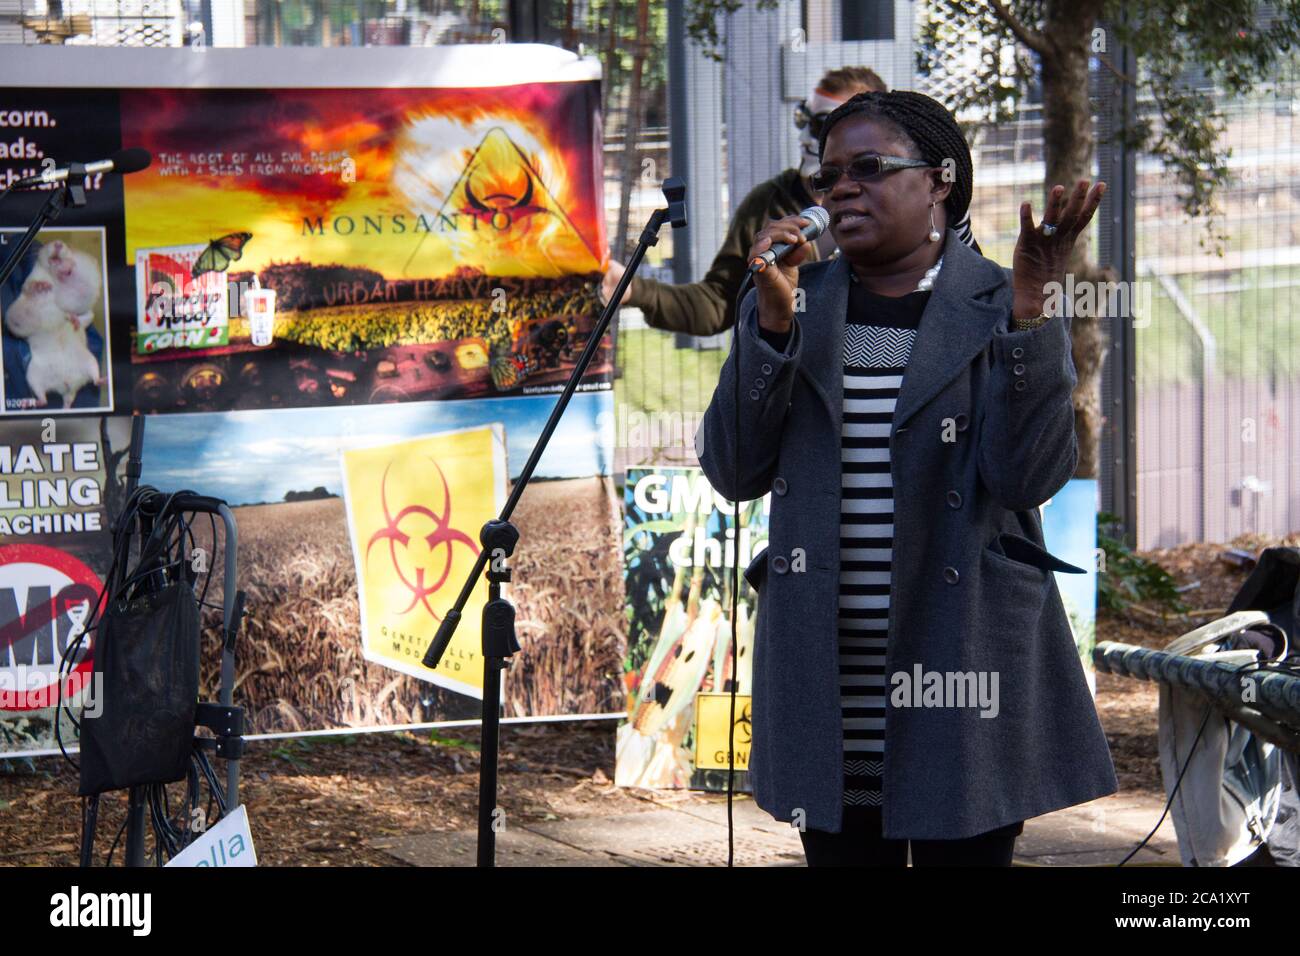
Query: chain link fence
[1216,342]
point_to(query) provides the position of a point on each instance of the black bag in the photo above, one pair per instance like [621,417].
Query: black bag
[147,687]
[1274,588]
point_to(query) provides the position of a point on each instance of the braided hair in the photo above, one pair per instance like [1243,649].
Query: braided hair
[933,133]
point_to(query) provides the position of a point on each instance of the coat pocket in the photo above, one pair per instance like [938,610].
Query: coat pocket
[756,572]
[1020,551]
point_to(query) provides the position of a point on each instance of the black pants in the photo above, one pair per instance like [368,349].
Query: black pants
[859,843]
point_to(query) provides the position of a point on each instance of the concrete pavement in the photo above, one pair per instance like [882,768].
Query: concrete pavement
[1100,833]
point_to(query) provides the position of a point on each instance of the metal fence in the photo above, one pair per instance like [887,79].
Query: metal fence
[1218,358]
[1202,396]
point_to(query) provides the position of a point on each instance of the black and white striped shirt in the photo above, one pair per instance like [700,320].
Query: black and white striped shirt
[878,336]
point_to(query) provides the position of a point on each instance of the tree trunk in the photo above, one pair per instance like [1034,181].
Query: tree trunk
[1068,144]
[632,128]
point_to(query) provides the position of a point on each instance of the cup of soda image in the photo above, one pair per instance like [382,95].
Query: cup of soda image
[260,304]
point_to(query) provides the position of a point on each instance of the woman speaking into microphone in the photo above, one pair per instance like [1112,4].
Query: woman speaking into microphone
[907,404]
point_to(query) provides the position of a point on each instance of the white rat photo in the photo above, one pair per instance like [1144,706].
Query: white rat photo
[61,361]
[77,280]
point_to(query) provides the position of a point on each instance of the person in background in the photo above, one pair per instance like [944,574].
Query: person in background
[708,306]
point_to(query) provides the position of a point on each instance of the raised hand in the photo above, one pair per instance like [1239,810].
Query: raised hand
[1040,258]
[609,281]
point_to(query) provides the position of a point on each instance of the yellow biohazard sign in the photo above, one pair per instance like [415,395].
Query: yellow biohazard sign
[414,513]
[711,714]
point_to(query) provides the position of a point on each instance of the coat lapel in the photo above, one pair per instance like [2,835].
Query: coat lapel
[823,336]
[956,326]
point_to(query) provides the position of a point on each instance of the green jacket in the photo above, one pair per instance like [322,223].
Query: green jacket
[708,306]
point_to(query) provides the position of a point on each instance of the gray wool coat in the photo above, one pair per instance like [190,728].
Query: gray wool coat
[983,433]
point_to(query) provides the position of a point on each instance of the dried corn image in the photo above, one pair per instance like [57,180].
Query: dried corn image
[679,557]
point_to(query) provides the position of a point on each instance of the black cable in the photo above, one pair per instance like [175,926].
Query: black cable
[215,789]
[89,820]
[162,551]
[193,795]
[735,578]
[163,557]
[93,615]
[1174,792]
[121,531]
[212,565]
[108,860]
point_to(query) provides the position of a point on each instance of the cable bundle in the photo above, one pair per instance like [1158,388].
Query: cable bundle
[147,625]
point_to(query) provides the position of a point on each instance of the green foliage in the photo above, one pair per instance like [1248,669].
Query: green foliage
[290,752]
[594,34]
[1128,578]
[702,18]
[1015,43]
[439,740]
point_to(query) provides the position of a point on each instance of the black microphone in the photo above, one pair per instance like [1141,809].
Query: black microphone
[123,161]
[818,219]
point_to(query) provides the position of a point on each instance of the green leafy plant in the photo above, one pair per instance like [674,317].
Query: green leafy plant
[1126,578]
[439,740]
[290,752]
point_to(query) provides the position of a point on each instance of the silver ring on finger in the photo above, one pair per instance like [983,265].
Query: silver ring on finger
[1047,228]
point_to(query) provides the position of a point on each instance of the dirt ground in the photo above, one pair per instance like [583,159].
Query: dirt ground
[318,801]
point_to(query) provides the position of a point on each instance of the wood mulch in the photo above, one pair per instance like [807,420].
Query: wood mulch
[318,801]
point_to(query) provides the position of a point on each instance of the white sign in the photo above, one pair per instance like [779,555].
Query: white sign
[229,843]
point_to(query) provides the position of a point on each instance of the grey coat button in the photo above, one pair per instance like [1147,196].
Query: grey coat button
[1019,369]
[767,368]
[950,575]
[759,383]
[962,421]
[1020,386]
[1017,352]
[780,565]
[755,394]
[779,485]
[954,499]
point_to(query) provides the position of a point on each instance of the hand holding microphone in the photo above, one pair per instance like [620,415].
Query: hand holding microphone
[774,260]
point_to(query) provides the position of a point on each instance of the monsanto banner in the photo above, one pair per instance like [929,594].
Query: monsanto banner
[679,551]
[328,302]
[386,245]
[414,510]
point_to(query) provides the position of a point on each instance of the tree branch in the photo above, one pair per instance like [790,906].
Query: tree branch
[1030,38]
[1119,74]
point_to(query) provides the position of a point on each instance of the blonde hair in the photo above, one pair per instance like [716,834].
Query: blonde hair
[852,79]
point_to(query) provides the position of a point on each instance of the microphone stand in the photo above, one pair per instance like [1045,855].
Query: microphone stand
[499,538]
[71,192]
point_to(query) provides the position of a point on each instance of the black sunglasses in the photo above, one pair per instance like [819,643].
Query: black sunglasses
[861,170]
[803,116]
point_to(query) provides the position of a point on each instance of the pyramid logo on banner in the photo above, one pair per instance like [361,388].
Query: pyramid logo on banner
[510,207]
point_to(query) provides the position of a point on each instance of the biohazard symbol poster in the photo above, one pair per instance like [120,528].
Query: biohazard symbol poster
[414,511]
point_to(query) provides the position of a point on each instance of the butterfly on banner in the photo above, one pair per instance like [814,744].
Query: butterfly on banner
[220,253]
[510,369]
